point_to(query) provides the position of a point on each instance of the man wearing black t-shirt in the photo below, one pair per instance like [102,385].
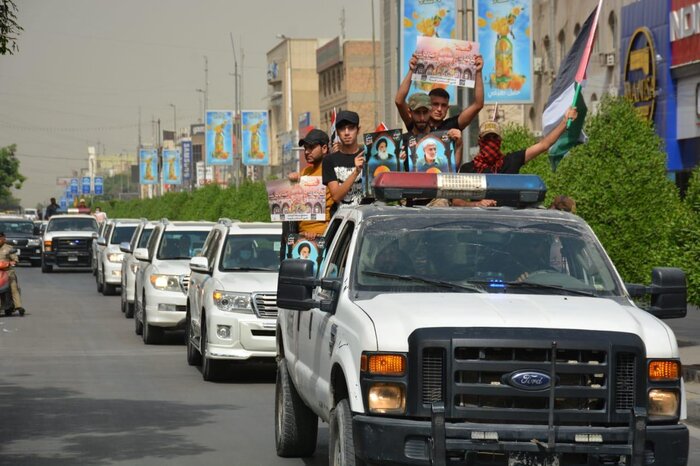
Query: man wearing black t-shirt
[491,160]
[342,170]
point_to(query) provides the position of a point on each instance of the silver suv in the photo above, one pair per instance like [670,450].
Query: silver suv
[130,265]
[108,267]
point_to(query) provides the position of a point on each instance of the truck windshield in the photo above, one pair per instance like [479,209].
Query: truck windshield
[542,257]
[181,244]
[122,234]
[11,227]
[72,224]
[251,253]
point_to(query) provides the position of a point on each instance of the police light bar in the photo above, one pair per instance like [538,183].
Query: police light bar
[506,190]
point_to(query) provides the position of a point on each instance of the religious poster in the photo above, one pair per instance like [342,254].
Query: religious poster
[431,153]
[446,61]
[504,35]
[382,151]
[219,137]
[172,166]
[148,166]
[256,142]
[420,18]
[293,202]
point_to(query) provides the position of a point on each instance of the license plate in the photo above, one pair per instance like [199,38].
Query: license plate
[533,459]
[72,259]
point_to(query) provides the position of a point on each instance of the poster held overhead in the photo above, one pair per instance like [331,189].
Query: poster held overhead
[446,61]
[292,202]
[431,153]
[382,149]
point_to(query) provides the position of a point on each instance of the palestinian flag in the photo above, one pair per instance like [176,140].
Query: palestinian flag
[566,91]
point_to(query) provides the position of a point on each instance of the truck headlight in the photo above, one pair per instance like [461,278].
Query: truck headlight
[387,398]
[165,282]
[33,242]
[115,257]
[663,403]
[47,245]
[134,267]
[231,301]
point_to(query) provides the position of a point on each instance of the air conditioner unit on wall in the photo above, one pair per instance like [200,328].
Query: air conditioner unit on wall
[610,59]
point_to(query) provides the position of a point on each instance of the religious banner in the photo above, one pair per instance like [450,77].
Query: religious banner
[219,137]
[148,166]
[446,61]
[292,202]
[382,150]
[431,153]
[172,166]
[505,39]
[256,144]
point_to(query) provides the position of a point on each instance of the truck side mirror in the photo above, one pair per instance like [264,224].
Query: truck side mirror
[668,291]
[295,284]
[125,247]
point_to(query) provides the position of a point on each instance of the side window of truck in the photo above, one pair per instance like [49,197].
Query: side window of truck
[153,242]
[339,253]
[330,235]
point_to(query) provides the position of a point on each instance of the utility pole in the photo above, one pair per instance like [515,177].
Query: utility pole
[206,83]
[342,25]
[236,118]
[174,122]
[374,69]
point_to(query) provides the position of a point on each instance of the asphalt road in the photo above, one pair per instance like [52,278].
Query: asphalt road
[77,386]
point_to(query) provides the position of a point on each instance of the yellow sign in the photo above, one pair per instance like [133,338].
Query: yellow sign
[640,73]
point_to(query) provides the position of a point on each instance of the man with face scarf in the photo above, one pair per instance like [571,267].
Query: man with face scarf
[490,159]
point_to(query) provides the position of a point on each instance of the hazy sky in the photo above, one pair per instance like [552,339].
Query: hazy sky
[85,66]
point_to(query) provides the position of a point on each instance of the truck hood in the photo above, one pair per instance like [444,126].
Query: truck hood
[400,314]
[249,282]
[69,234]
[172,267]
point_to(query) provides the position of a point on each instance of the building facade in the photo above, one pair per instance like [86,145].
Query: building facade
[349,80]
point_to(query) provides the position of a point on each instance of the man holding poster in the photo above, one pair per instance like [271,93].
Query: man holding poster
[440,101]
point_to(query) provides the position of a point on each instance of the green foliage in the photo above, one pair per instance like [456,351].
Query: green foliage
[517,137]
[248,203]
[688,238]
[10,176]
[9,28]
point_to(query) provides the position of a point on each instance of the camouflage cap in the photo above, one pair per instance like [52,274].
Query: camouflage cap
[419,100]
[490,127]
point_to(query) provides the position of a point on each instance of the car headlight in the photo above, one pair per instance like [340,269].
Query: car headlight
[115,256]
[165,282]
[387,398]
[33,242]
[230,301]
[134,267]
[663,403]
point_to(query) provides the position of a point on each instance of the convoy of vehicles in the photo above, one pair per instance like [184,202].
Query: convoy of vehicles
[421,335]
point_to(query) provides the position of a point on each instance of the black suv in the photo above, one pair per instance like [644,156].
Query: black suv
[20,234]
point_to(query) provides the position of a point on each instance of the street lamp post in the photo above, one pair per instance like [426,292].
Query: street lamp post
[174,122]
[201,91]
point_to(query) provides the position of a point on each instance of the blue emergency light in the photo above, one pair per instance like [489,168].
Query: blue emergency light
[506,190]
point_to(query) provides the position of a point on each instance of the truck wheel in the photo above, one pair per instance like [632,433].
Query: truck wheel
[45,268]
[151,335]
[107,289]
[211,368]
[296,426]
[138,325]
[194,357]
[129,310]
[99,284]
[341,449]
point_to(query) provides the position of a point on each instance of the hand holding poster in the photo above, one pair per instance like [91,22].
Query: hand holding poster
[432,153]
[381,155]
[446,61]
[292,202]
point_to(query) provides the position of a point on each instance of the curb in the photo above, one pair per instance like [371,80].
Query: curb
[691,373]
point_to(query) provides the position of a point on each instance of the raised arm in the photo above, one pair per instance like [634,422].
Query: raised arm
[549,140]
[468,114]
[402,93]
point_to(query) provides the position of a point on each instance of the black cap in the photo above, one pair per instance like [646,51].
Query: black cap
[313,137]
[345,117]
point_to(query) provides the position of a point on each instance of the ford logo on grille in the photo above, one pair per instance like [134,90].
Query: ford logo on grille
[529,380]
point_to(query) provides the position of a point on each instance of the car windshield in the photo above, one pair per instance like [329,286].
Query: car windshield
[72,224]
[122,234]
[181,244]
[11,227]
[145,235]
[251,252]
[504,256]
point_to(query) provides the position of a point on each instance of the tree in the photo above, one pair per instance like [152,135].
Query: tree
[9,28]
[10,176]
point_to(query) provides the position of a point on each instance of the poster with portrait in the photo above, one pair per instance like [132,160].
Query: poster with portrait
[298,247]
[446,61]
[256,141]
[504,33]
[172,166]
[382,151]
[431,153]
[294,202]
[219,137]
[420,18]
[148,166]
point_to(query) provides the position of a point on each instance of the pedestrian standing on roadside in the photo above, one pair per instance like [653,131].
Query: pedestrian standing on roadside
[342,170]
[51,209]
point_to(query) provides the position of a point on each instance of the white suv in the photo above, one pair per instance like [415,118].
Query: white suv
[108,274]
[161,283]
[130,265]
[449,335]
[232,299]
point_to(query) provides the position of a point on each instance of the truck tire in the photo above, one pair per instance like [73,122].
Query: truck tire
[107,289]
[138,325]
[296,426]
[212,369]
[341,448]
[100,287]
[151,334]
[45,268]
[129,310]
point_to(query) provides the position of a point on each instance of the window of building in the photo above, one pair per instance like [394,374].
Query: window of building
[561,38]
[577,29]
[612,27]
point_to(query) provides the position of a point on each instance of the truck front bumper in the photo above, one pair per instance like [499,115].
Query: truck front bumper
[437,442]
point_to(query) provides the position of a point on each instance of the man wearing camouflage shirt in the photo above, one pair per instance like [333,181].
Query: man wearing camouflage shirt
[7,254]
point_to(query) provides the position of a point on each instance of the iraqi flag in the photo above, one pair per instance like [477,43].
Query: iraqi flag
[331,131]
[566,91]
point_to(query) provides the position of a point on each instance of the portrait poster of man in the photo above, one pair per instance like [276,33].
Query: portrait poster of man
[293,202]
[432,153]
[446,61]
[298,247]
[381,155]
